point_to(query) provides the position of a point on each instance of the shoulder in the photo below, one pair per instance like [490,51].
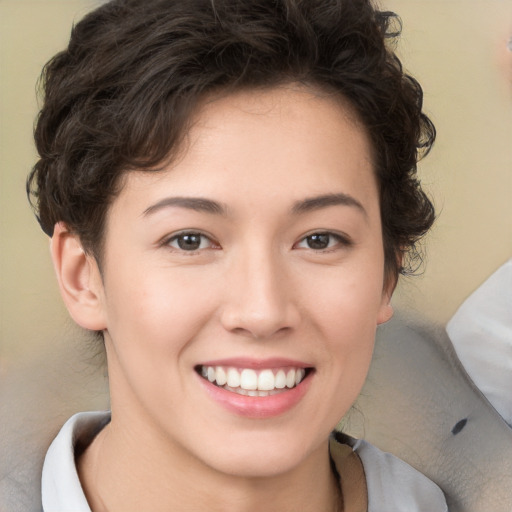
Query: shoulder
[392,484]
[60,485]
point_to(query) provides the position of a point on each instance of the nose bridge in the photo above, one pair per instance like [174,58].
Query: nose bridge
[260,301]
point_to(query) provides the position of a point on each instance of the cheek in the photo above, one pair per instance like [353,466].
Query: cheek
[157,311]
[348,297]
[346,310]
[152,318]
[352,339]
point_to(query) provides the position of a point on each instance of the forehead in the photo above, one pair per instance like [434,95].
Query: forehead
[283,143]
[307,107]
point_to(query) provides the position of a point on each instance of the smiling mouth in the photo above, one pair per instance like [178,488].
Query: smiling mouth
[250,382]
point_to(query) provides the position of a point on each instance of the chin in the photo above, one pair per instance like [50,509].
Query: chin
[262,456]
[259,465]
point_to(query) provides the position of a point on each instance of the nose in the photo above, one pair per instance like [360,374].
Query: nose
[260,297]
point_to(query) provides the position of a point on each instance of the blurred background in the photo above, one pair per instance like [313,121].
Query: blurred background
[457,49]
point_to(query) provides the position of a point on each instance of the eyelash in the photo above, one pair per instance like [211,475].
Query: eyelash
[185,234]
[340,240]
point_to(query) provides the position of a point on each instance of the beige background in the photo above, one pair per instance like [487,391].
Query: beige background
[457,49]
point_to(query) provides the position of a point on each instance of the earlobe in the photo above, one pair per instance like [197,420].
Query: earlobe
[386,309]
[390,281]
[385,313]
[79,279]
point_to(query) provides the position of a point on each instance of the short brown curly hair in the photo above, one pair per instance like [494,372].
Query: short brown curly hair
[120,97]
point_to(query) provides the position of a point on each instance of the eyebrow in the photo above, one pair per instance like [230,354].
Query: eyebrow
[198,204]
[326,200]
[201,204]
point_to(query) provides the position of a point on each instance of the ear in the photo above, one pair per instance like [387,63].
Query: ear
[385,312]
[386,309]
[79,279]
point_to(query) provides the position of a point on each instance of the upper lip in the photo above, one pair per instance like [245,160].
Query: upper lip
[246,362]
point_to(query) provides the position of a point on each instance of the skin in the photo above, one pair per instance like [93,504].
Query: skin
[255,289]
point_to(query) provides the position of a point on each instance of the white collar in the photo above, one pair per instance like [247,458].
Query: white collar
[60,485]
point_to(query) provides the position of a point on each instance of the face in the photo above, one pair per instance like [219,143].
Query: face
[242,285]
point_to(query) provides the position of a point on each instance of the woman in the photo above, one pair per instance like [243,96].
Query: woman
[230,190]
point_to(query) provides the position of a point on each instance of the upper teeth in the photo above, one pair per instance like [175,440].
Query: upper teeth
[249,379]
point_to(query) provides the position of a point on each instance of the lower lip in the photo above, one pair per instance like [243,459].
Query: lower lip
[258,407]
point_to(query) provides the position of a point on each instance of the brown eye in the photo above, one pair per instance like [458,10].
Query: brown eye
[322,241]
[318,241]
[190,242]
